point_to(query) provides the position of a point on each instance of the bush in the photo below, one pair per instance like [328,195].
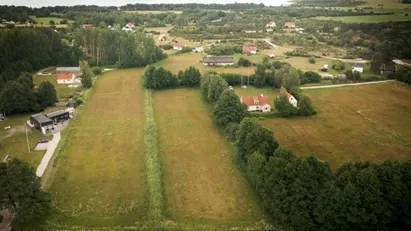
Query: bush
[337,65]
[311,60]
[244,62]
[305,107]
[231,131]
[167,46]
[97,70]
[310,77]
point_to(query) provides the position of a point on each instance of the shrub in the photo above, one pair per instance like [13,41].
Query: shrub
[244,62]
[97,70]
[311,60]
[231,131]
[167,46]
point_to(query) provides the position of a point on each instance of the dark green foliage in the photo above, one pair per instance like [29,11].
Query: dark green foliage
[212,86]
[167,46]
[310,77]
[190,77]
[402,75]
[185,50]
[337,65]
[287,77]
[254,170]
[296,92]
[20,192]
[229,109]
[159,78]
[46,94]
[283,106]
[311,60]
[86,74]
[260,76]
[16,98]
[305,107]
[244,62]
[231,131]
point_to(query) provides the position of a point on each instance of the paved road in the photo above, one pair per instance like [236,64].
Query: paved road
[346,85]
[5,225]
[51,146]
[271,44]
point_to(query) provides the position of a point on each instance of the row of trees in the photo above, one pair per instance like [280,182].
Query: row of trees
[159,78]
[302,192]
[116,47]
[286,109]
[19,96]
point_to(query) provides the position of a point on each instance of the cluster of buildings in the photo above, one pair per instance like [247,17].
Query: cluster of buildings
[261,102]
[46,123]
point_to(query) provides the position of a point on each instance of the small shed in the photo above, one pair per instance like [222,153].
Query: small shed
[58,116]
[388,69]
[41,122]
[358,67]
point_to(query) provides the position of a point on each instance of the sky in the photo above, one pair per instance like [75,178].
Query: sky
[40,3]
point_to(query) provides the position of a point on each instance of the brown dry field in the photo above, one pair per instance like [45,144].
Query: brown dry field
[201,181]
[338,134]
[101,172]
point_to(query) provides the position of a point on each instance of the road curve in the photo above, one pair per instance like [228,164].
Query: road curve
[346,85]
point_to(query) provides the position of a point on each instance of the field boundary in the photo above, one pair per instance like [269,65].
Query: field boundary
[347,85]
[153,162]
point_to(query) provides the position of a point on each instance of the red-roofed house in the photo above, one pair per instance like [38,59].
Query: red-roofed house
[290,25]
[271,24]
[249,50]
[88,26]
[179,46]
[256,103]
[130,25]
[292,100]
[65,78]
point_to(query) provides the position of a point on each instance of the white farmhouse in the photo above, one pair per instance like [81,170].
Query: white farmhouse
[256,103]
[292,100]
[198,49]
[178,46]
[270,24]
[67,75]
[357,67]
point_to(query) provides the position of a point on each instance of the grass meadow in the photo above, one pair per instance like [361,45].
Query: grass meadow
[63,91]
[99,179]
[362,123]
[202,184]
[46,20]
[367,18]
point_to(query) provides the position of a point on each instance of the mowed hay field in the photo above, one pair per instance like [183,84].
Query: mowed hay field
[201,181]
[339,134]
[99,178]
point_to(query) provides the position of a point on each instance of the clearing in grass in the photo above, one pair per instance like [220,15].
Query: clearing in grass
[201,181]
[362,123]
[46,20]
[100,178]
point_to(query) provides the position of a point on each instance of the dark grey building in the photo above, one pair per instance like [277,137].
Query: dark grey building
[58,116]
[41,122]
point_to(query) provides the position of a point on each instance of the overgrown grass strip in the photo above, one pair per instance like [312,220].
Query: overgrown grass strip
[153,162]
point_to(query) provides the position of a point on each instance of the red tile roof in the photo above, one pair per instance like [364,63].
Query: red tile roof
[289,95]
[64,75]
[290,24]
[88,26]
[249,100]
[179,45]
[249,49]
[130,24]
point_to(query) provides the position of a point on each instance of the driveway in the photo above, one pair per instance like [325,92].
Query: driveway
[5,225]
[347,85]
[51,146]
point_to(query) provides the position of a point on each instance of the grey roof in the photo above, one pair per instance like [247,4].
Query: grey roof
[41,118]
[357,65]
[56,113]
[68,69]
[389,67]
[341,76]
[218,59]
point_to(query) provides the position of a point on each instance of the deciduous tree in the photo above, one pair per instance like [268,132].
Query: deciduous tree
[229,109]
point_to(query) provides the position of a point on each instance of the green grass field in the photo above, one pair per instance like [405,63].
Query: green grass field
[63,91]
[339,134]
[100,178]
[46,20]
[201,181]
[367,18]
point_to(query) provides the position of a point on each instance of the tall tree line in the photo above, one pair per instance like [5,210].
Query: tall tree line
[117,47]
[30,49]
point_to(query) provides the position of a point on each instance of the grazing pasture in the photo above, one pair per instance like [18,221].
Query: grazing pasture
[46,20]
[201,181]
[362,123]
[100,177]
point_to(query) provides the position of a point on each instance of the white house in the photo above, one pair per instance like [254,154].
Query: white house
[178,46]
[126,29]
[292,100]
[67,75]
[130,25]
[249,50]
[256,103]
[271,56]
[270,24]
[198,49]
[357,67]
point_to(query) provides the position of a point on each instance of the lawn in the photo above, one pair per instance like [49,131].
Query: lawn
[63,91]
[100,178]
[13,142]
[339,134]
[201,181]
[46,20]
[367,18]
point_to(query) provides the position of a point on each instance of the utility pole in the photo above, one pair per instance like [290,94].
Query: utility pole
[27,137]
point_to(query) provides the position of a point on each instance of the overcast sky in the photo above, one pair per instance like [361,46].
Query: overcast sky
[40,3]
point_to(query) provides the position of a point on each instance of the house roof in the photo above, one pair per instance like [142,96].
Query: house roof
[68,69]
[87,25]
[218,59]
[358,65]
[64,75]
[355,39]
[179,45]
[289,95]
[56,113]
[130,24]
[271,23]
[41,118]
[249,100]
[389,67]
[250,48]
[290,24]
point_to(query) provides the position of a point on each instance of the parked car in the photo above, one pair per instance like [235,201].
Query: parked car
[42,141]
